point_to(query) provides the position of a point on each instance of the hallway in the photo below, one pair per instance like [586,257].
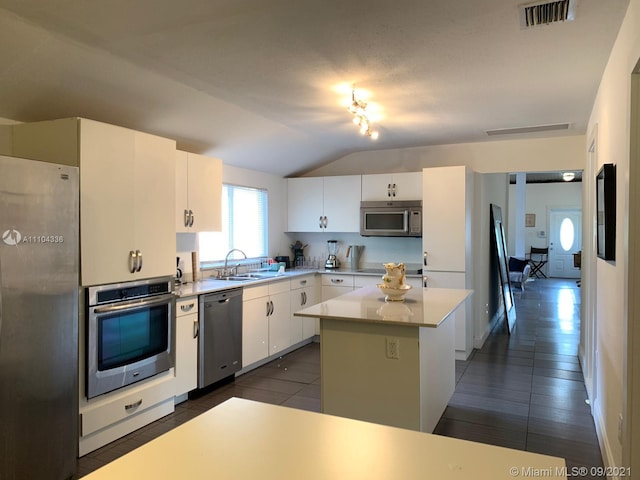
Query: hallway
[526,391]
[523,391]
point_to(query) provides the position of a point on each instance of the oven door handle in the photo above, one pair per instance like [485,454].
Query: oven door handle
[135,304]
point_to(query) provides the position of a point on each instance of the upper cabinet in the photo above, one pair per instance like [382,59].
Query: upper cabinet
[324,204]
[446,218]
[127,194]
[198,193]
[392,186]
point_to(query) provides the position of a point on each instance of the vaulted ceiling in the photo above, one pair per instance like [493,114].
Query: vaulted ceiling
[265,84]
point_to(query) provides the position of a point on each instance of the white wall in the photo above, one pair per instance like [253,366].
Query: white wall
[534,155]
[490,188]
[540,198]
[610,115]
[5,135]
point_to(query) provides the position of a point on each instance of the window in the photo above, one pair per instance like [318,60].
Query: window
[244,225]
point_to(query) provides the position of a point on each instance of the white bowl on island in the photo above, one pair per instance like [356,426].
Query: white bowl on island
[394,294]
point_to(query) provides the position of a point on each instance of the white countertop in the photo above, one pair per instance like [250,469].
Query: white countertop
[422,307]
[209,285]
[245,440]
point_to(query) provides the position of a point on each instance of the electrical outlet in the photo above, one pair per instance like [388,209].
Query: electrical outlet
[393,348]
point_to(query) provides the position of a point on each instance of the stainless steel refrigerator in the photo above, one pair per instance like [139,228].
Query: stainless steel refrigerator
[38,319]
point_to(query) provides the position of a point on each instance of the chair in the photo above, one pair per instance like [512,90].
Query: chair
[538,258]
[519,271]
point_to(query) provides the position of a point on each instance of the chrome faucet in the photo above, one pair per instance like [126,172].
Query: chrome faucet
[226,260]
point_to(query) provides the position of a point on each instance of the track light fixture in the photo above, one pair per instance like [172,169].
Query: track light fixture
[358,109]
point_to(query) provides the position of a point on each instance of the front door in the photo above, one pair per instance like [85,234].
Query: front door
[565,239]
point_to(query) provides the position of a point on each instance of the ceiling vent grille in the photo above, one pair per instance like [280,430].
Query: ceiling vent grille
[531,129]
[545,13]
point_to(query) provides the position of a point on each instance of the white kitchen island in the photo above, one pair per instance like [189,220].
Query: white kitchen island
[391,363]
[246,440]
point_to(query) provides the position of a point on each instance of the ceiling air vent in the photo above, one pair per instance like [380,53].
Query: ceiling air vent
[544,13]
[532,129]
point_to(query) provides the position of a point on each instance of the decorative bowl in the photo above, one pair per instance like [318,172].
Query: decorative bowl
[394,294]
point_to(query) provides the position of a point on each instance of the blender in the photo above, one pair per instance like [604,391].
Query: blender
[332,259]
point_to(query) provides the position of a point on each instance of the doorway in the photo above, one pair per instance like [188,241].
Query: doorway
[565,240]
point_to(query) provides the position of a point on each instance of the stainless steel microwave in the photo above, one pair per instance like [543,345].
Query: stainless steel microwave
[391,219]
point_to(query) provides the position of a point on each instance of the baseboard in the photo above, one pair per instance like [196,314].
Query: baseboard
[478,342]
[603,440]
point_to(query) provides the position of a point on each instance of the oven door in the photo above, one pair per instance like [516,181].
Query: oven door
[129,341]
[384,222]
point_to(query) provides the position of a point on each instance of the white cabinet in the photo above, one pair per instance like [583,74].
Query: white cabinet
[198,193]
[392,186]
[127,191]
[446,218]
[447,222]
[186,368]
[266,321]
[255,326]
[303,294]
[127,194]
[324,204]
[334,285]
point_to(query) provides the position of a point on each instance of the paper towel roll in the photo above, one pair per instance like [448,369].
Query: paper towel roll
[195,267]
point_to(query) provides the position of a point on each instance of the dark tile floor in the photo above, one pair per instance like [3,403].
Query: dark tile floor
[523,391]
[526,391]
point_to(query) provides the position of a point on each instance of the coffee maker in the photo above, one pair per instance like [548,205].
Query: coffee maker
[332,259]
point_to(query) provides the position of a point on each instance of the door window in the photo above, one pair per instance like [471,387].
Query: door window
[567,234]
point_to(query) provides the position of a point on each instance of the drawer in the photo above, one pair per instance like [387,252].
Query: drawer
[337,280]
[303,282]
[279,287]
[367,280]
[186,306]
[116,406]
[249,293]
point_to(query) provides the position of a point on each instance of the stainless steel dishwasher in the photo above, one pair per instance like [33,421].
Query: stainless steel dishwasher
[220,338]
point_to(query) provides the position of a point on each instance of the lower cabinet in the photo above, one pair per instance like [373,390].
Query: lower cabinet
[334,285]
[186,368]
[266,317]
[114,415]
[303,294]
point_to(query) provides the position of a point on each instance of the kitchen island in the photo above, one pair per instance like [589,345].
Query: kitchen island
[391,363]
[245,440]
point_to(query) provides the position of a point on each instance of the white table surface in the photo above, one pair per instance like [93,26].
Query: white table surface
[243,439]
[422,307]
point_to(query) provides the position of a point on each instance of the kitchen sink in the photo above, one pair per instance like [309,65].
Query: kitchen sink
[236,279]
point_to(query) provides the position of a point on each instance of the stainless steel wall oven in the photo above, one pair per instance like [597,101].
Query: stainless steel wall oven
[130,333]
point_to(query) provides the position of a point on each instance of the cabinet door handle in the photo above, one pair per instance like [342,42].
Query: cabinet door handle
[268,308]
[393,190]
[132,261]
[326,222]
[133,406]
[320,221]
[196,328]
[303,282]
[191,218]
[425,282]
[337,280]
[186,308]
[388,190]
[186,217]
[139,260]
[273,308]
[424,258]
